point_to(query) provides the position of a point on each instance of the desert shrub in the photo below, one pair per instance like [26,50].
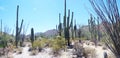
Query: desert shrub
[58,44]
[36,43]
[44,42]
[89,52]
[78,49]
[40,43]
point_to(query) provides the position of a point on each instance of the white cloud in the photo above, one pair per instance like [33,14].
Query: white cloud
[2,8]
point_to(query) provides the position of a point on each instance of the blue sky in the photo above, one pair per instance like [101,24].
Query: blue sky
[42,15]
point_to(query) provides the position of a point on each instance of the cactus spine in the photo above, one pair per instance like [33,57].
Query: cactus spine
[32,36]
[18,30]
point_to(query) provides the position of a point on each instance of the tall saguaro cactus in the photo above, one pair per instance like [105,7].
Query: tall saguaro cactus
[32,36]
[72,29]
[67,24]
[18,30]
[92,29]
[60,25]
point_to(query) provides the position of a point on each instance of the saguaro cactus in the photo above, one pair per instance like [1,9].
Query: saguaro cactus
[79,32]
[60,25]
[72,29]
[32,36]
[92,29]
[67,24]
[75,29]
[67,27]
[98,29]
[18,30]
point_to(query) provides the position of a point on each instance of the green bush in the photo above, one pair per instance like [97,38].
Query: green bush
[1,45]
[58,44]
[40,43]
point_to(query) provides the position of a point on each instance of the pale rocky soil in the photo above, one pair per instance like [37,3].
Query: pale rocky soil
[46,53]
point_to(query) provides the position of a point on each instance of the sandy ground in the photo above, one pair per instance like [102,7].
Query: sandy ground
[46,53]
[99,50]
[26,54]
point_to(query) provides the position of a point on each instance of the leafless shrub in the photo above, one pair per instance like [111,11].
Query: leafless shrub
[108,13]
[111,55]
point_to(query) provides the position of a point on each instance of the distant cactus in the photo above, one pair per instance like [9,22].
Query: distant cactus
[75,29]
[32,36]
[79,32]
[92,27]
[18,30]
[98,31]
[60,25]
[72,29]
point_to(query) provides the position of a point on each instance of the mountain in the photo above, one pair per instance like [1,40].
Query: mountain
[50,33]
[53,32]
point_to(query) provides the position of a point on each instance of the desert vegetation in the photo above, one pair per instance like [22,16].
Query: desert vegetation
[98,39]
